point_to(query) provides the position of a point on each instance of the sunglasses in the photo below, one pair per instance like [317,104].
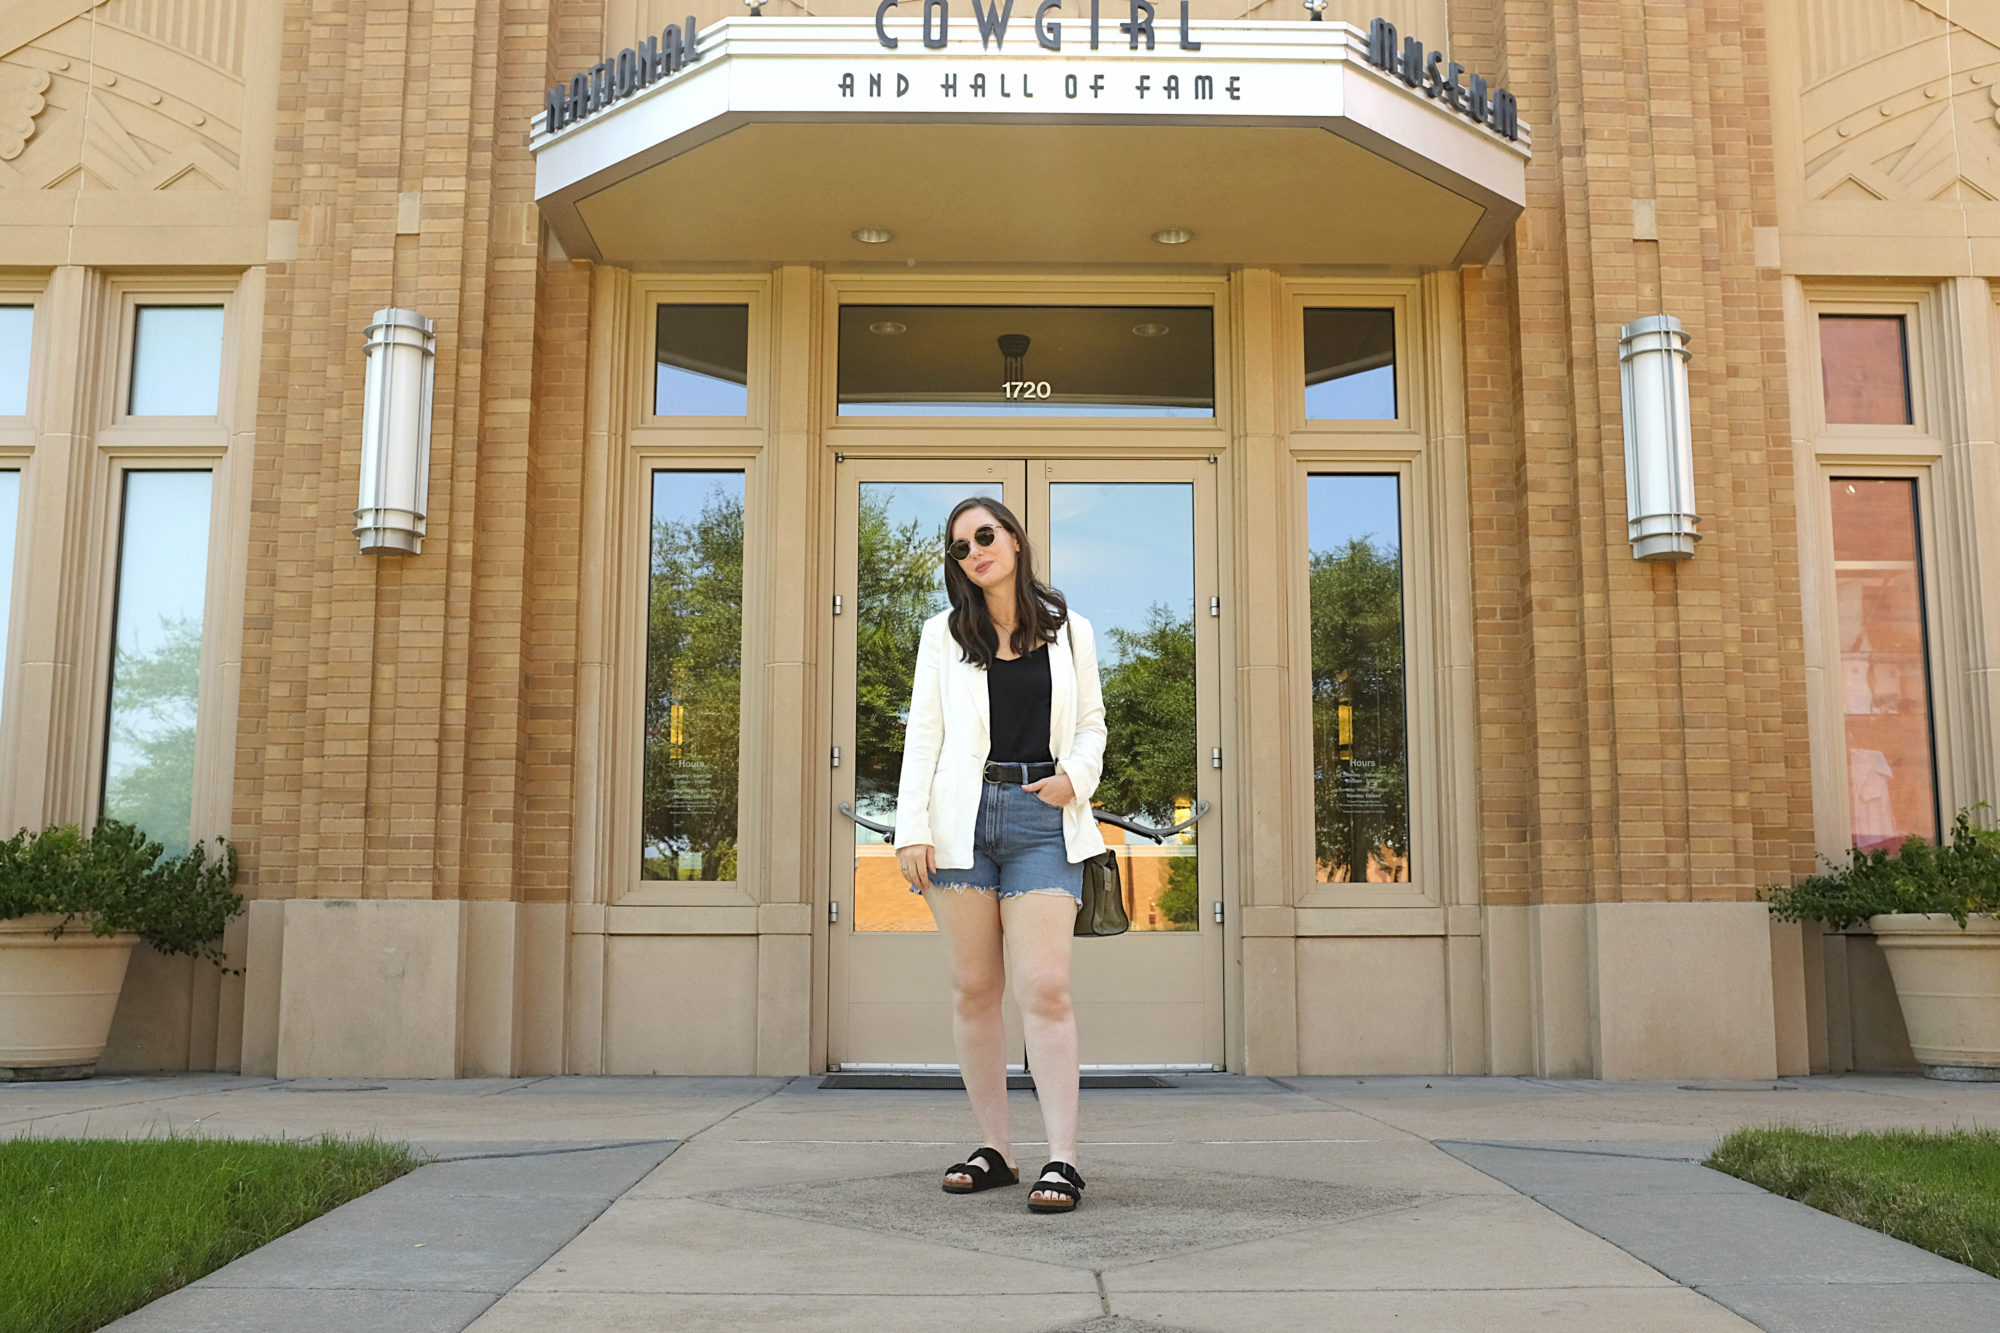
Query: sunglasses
[984,534]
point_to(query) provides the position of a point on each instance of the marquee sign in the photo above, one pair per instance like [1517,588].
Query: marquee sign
[678,47]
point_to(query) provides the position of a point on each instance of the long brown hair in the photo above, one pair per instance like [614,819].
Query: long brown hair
[1040,611]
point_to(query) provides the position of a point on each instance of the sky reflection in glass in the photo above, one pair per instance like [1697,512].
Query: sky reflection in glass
[17,327]
[10,521]
[156,671]
[177,361]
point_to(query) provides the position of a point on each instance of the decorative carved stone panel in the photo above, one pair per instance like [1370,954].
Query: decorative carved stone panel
[141,107]
[1901,104]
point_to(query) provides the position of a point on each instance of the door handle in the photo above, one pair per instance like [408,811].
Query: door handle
[1131,825]
[888,831]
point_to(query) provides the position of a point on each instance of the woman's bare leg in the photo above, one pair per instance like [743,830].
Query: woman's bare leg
[970,922]
[1038,928]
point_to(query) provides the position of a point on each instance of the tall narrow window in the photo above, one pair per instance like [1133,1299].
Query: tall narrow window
[10,520]
[1865,367]
[1361,803]
[17,327]
[701,361]
[149,751]
[177,361]
[1884,667]
[694,663]
[1350,364]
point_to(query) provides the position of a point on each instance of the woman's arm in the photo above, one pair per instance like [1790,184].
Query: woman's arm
[1085,761]
[922,740]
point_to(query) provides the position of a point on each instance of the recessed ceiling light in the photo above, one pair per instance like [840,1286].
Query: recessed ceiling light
[873,235]
[1173,236]
[1151,330]
[888,327]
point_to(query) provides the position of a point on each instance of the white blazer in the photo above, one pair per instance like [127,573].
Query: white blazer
[949,737]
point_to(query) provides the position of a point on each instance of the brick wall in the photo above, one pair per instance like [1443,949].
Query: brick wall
[1643,731]
[405,722]
[406,725]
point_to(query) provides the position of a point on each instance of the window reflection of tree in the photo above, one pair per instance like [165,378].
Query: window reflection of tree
[1360,754]
[149,782]
[900,584]
[1148,679]
[694,663]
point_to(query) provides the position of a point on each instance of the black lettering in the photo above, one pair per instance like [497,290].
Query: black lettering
[600,85]
[558,103]
[1003,86]
[579,100]
[1069,85]
[1048,34]
[979,85]
[950,85]
[943,12]
[1204,88]
[690,44]
[1141,85]
[882,33]
[1096,86]
[1434,75]
[1506,115]
[628,72]
[1172,87]
[1138,26]
[847,85]
[992,22]
[902,84]
[1382,45]
[1024,87]
[1187,42]
[1454,89]
[673,52]
[1234,88]
[1413,62]
[1475,99]
[649,61]
[874,85]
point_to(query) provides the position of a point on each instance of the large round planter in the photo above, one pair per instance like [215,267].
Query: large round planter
[57,997]
[1948,981]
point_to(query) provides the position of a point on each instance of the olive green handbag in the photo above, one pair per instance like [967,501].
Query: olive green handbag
[1102,911]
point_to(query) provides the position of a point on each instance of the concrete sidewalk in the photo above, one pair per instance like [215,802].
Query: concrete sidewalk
[1224,1203]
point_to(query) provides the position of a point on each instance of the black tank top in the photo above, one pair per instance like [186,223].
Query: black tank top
[1017,697]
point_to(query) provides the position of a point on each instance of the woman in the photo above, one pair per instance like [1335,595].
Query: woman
[993,824]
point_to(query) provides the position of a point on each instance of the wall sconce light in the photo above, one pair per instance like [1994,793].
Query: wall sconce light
[1659,440]
[396,433]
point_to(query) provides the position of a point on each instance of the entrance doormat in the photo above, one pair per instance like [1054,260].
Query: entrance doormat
[953,1083]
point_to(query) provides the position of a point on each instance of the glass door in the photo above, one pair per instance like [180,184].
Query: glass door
[890,991]
[1132,546]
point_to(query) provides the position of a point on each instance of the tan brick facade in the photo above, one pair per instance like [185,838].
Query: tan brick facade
[426,730]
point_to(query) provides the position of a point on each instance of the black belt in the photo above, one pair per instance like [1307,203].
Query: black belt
[1021,773]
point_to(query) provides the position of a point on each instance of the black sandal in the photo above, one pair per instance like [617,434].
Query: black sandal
[1071,1186]
[988,1170]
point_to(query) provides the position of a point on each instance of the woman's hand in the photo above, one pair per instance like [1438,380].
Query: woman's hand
[919,862]
[1056,790]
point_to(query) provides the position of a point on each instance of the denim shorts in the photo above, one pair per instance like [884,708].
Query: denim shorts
[1017,847]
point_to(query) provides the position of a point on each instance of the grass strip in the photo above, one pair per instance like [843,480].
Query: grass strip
[1936,1189]
[92,1229]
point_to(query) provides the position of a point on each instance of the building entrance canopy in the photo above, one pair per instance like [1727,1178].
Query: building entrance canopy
[1271,142]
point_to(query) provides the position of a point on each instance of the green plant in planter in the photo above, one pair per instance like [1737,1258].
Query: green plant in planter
[1960,878]
[116,879]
